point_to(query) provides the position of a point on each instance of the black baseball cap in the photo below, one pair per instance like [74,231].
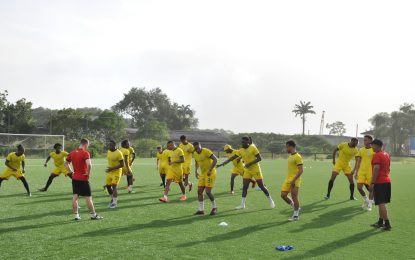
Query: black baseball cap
[377,142]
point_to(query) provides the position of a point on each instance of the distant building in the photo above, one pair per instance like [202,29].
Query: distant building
[209,139]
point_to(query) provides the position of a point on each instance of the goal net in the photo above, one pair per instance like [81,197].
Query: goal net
[37,146]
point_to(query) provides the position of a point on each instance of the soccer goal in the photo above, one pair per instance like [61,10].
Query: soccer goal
[37,146]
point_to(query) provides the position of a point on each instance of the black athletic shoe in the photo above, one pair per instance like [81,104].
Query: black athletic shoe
[42,189]
[353,198]
[386,228]
[327,197]
[377,225]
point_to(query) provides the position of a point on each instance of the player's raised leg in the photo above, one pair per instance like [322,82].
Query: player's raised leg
[15,166]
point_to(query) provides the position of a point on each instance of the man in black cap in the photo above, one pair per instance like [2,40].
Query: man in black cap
[381,184]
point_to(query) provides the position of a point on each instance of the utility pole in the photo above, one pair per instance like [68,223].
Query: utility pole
[322,124]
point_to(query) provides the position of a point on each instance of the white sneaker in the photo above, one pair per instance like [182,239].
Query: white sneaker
[271,203]
[240,207]
[294,218]
[77,218]
[113,205]
[365,205]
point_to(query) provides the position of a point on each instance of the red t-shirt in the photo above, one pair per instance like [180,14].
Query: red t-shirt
[78,159]
[383,160]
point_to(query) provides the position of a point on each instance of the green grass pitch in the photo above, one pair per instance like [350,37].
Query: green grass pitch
[143,228]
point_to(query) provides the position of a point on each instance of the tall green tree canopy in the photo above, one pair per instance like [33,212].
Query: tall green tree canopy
[153,105]
[336,128]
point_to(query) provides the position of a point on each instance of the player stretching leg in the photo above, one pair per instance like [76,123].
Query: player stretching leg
[16,167]
[346,152]
[58,157]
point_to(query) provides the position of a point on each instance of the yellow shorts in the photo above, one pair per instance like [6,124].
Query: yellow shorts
[187,167]
[206,181]
[113,179]
[9,173]
[364,177]
[124,171]
[163,169]
[340,167]
[175,175]
[239,171]
[58,170]
[252,175]
[286,186]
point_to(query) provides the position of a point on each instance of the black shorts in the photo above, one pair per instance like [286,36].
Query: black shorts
[382,193]
[81,188]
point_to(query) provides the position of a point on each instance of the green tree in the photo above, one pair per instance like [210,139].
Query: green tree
[19,117]
[68,122]
[143,105]
[154,130]
[336,128]
[108,125]
[302,110]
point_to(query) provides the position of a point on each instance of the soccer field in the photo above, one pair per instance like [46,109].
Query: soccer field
[143,228]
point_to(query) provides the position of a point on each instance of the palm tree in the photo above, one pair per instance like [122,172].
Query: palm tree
[302,110]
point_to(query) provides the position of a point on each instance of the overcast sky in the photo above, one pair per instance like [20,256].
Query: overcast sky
[242,65]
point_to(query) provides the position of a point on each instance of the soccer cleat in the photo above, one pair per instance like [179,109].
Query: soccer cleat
[271,203]
[327,197]
[377,225]
[386,228]
[294,218]
[113,205]
[232,192]
[163,199]
[96,217]
[352,198]
[77,218]
[240,207]
[42,189]
[369,207]
[29,194]
[200,212]
[183,198]
[365,205]
[190,186]
[214,211]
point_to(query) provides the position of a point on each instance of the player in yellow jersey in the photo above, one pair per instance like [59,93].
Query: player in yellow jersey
[205,161]
[15,166]
[363,172]
[188,150]
[175,171]
[346,153]
[251,157]
[162,164]
[58,157]
[115,160]
[292,182]
[238,166]
[129,157]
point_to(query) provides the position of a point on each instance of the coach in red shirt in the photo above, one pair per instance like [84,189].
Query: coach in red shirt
[381,184]
[78,162]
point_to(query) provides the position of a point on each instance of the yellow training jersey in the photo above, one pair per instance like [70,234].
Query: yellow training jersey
[130,157]
[237,163]
[114,158]
[248,155]
[125,152]
[174,156]
[163,157]
[366,155]
[59,158]
[346,153]
[188,150]
[14,160]
[294,160]
[204,161]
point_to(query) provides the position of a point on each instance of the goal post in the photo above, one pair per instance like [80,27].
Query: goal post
[36,145]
